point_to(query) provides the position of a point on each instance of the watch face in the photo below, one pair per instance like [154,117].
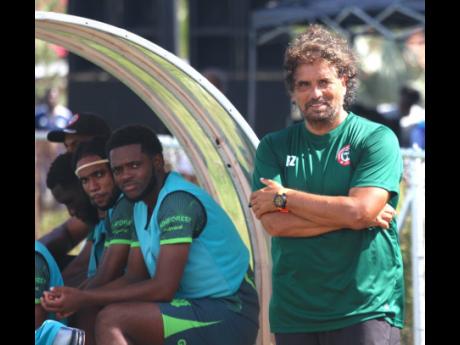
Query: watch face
[279,201]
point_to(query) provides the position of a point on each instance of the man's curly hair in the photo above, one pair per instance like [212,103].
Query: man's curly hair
[61,173]
[316,42]
[135,134]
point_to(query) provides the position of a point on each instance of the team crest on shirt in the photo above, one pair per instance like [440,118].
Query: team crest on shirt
[343,156]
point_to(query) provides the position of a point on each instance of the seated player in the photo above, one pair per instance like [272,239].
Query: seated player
[188,278]
[47,329]
[65,188]
[62,239]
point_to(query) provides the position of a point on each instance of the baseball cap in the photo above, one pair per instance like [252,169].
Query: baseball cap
[81,123]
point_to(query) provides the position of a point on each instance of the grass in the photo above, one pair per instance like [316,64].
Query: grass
[49,219]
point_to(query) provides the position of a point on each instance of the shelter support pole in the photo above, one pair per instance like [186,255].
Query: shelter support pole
[418,250]
[252,66]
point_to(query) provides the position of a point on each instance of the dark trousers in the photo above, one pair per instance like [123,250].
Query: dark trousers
[372,332]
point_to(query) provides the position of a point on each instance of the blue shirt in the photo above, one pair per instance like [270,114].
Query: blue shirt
[55,277]
[97,235]
[218,258]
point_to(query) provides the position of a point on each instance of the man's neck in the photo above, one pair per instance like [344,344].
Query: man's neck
[151,199]
[101,214]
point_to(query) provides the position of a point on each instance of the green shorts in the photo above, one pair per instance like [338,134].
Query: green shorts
[231,320]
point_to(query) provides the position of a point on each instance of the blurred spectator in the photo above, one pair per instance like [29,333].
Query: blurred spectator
[390,115]
[417,135]
[412,115]
[50,114]
[386,114]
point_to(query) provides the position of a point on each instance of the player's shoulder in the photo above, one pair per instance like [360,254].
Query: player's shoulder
[180,196]
[280,139]
[365,129]
[122,204]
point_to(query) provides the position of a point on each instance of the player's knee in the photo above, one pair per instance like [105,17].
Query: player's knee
[107,318]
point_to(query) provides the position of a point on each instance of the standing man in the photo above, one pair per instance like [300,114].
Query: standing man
[321,189]
[50,114]
[188,279]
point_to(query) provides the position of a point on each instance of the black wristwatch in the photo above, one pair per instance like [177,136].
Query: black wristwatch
[280,202]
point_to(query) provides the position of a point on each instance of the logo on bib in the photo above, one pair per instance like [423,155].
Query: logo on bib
[343,157]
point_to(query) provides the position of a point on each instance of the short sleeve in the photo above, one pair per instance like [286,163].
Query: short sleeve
[134,240]
[266,164]
[380,164]
[181,217]
[121,224]
[42,276]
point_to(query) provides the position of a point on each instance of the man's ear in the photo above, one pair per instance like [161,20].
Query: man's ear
[158,161]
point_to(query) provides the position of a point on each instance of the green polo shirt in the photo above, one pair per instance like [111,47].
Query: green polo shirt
[348,276]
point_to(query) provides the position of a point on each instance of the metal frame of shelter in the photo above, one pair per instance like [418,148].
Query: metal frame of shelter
[219,142]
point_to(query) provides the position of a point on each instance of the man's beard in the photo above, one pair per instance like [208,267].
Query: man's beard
[111,201]
[322,118]
[150,188]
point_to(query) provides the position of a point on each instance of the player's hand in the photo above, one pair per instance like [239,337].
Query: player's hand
[62,300]
[261,201]
[61,316]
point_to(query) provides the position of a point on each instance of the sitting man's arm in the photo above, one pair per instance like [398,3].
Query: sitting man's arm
[64,237]
[136,270]
[120,234]
[175,239]
[170,266]
[42,283]
[40,315]
[77,270]
[112,266]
